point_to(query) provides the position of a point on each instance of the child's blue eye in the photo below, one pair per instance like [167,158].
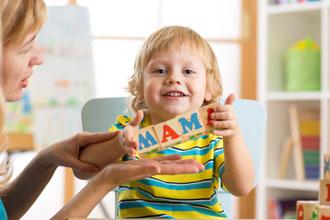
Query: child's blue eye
[161,71]
[188,71]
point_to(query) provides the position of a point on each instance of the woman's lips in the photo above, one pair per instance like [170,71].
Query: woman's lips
[25,83]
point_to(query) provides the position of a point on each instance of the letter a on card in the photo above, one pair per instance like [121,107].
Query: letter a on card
[147,140]
[191,124]
[168,133]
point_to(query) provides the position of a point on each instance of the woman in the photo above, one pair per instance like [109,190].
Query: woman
[21,21]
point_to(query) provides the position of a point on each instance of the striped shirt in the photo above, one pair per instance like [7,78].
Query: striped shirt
[177,196]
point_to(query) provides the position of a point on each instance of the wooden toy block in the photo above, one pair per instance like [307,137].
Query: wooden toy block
[326,166]
[205,114]
[191,124]
[307,210]
[324,192]
[324,212]
[147,140]
[168,133]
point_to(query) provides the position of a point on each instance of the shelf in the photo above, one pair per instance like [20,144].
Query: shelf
[306,185]
[292,96]
[294,7]
[281,27]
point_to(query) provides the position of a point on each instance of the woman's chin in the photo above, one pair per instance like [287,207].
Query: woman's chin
[13,97]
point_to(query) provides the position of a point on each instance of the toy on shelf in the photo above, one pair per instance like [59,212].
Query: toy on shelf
[320,209]
[303,66]
[304,142]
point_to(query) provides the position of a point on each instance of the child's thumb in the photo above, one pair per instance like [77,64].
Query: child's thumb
[230,99]
[138,118]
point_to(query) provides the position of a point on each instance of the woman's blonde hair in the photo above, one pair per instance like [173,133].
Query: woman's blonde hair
[18,19]
[21,17]
[173,38]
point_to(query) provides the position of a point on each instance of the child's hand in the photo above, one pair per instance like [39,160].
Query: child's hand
[128,139]
[224,119]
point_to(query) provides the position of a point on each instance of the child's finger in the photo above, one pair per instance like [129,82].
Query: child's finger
[133,144]
[230,99]
[138,118]
[223,124]
[223,108]
[222,115]
[132,153]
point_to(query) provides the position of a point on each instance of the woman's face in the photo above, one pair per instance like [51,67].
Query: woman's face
[18,62]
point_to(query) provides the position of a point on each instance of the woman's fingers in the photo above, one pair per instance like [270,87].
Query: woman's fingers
[172,164]
[169,157]
[181,166]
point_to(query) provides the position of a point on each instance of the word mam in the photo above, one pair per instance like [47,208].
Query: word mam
[179,129]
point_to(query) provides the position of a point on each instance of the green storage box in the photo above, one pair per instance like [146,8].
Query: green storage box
[303,67]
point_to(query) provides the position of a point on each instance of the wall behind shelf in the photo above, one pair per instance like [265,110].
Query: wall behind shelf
[286,29]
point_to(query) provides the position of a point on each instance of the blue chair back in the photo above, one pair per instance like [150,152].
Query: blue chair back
[99,114]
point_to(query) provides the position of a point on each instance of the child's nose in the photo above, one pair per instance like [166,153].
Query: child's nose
[173,78]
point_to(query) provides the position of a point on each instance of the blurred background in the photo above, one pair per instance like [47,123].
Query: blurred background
[274,51]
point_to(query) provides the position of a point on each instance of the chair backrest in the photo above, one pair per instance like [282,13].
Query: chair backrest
[100,114]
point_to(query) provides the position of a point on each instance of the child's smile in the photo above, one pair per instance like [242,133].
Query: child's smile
[174,82]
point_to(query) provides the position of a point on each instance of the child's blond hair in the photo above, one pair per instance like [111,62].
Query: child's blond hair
[174,38]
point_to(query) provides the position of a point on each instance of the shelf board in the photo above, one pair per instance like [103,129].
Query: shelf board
[288,96]
[307,185]
[294,7]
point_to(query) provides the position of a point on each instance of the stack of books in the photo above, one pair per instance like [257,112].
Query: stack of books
[309,126]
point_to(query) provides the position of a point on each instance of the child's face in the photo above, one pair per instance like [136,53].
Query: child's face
[174,83]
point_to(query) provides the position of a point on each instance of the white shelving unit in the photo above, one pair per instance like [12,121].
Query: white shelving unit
[280,26]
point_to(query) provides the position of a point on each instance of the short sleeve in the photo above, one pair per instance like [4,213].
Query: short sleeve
[120,123]
[3,213]
[219,158]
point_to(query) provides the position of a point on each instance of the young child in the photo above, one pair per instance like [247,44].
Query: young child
[176,71]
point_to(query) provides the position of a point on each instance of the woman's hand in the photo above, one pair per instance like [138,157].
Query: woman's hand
[124,172]
[224,119]
[66,153]
[128,138]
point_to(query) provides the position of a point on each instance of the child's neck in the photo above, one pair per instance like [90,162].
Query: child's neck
[154,119]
